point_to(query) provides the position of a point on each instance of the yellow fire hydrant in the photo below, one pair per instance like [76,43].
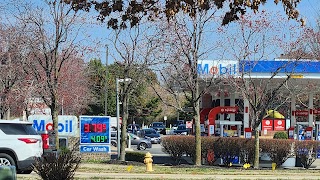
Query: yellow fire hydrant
[273,166]
[148,161]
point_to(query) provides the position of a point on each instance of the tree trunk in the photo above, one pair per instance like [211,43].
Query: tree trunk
[197,128]
[256,148]
[124,128]
[55,125]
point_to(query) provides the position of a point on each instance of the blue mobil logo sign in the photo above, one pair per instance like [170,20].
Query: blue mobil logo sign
[67,125]
[216,68]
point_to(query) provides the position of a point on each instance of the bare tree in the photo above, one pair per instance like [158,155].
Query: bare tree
[255,39]
[134,51]
[184,46]
[11,73]
[52,28]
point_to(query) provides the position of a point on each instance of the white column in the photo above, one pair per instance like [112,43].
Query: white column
[246,113]
[221,130]
[222,104]
[310,110]
[233,103]
[293,108]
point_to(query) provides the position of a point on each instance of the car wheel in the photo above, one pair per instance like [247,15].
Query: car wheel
[142,146]
[6,160]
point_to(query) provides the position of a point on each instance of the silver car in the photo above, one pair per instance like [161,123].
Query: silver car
[142,143]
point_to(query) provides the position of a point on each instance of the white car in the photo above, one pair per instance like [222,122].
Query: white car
[20,144]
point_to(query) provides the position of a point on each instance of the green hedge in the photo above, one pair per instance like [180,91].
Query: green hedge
[135,156]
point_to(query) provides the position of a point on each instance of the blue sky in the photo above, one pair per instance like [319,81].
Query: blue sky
[309,10]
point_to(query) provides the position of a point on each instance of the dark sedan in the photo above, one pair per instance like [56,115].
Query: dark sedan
[182,129]
[152,134]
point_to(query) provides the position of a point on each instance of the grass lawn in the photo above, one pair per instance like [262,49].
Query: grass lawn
[188,169]
[137,171]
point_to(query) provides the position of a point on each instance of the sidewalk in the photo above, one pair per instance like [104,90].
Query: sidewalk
[130,176]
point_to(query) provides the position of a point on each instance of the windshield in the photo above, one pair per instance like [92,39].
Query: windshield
[181,127]
[132,136]
[157,124]
[150,131]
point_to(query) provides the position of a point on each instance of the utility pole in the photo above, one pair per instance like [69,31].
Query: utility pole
[106,84]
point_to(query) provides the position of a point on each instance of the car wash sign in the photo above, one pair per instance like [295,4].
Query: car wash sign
[218,68]
[67,125]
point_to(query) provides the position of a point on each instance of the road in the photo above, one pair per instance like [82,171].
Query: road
[155,150]
[159,157]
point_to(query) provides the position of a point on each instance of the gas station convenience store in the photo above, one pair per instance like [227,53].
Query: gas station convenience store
[233,110]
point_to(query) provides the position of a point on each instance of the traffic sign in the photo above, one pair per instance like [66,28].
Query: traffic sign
[188,124]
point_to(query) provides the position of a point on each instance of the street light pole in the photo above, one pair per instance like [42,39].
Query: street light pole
[106,84]
[118,120]
[118,112]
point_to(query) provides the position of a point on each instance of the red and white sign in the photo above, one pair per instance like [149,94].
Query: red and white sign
[316,111]
[301,113]
[247,133]
[188,124]
[267,124]
[229,110]
[279,125]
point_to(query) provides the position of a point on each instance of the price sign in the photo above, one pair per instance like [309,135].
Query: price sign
[95,130]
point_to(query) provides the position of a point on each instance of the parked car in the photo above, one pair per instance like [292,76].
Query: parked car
[174,127]
[20,145]
[142,143]
[182,129]
[133,128]
[152,134]
[159,127]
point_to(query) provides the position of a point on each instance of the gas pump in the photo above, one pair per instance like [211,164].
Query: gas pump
[291,133]
[301,130]
[308,133]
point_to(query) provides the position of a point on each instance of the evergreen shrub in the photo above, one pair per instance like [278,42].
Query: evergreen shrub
[280,135]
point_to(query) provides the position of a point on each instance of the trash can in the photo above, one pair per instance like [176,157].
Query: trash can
[8,173]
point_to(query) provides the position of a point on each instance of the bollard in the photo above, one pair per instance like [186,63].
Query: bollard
[274,165]
[148,161]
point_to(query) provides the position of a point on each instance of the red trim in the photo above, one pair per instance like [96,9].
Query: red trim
[203,113]
[220,110]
